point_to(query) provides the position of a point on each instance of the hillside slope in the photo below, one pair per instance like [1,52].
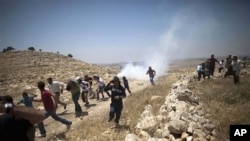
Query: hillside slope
[21,70]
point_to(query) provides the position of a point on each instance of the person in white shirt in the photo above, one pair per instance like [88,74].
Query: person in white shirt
[56,88]
[101,86]
[85,89]
[221,68]
[201,71]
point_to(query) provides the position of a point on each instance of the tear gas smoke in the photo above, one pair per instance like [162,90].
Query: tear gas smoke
[157,57]
[181,40]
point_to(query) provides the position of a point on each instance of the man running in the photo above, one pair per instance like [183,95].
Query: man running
[151,74]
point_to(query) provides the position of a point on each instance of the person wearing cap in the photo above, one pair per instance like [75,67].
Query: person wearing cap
[56,87]
[117,95]
[85,89]
[151,74]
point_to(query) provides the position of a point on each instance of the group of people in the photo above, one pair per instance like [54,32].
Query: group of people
[231,66]
[26,117]
[21,119]
[83,87]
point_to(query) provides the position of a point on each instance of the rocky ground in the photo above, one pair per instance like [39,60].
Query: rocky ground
[22,70]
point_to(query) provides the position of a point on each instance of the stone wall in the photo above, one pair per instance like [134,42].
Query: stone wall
[180,118]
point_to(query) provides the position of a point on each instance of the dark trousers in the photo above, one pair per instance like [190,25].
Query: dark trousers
[101,90]
[84,96]
[127,88]
[229,71]
[75,98]
[55,117]
[220,69]
[236,78]
[115,111]
[211,70]
[201,73]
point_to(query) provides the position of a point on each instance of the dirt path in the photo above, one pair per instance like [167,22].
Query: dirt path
[56,129]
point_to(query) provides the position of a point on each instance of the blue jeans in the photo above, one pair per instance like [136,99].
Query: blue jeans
[55,117]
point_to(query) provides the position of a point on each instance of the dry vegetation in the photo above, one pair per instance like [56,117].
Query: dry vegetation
[227,103]
[99,130]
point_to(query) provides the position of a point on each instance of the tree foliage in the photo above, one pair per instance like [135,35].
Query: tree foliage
[4,50]
[70,55]
[8,49]
[31,48]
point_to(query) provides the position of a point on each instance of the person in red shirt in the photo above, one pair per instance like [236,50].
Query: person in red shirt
[50,108]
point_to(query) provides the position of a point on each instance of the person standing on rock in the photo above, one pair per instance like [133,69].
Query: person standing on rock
[117,95]
[75,90]
[85,89]
[49,106]
[126,84]
[151,74]
[56,88]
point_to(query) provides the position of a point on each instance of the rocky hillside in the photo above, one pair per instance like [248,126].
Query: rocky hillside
[21,70]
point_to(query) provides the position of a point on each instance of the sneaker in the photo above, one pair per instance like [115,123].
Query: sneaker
[41,135]
[69,125]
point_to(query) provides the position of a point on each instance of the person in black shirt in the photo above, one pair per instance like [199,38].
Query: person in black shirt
[117,95]
[126,84]
[151,72]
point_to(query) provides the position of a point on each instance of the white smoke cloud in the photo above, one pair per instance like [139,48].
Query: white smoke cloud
[156,56]
[182,38]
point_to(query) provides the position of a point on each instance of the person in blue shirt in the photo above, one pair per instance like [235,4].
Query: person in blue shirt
[27,99]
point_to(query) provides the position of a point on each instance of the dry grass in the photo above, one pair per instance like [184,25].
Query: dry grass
[227,103]
[98,128]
